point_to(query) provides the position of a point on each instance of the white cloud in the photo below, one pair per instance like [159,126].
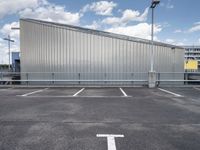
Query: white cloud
[197,23]
[6,29]
[170,6]
[112,21]
[104,8]
[37,9]
[3,52]
[127,16]
[13,6]
[4,55]
[141,30]
[174,42]
[14,34]
[199,40]
[134,15]
[94,25]
[178,31]
[195,28]
[51,12]
[170,40]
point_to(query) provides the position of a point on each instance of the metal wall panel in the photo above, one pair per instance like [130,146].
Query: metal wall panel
[50,48]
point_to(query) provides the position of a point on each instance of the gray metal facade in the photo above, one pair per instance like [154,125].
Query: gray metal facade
[78,53]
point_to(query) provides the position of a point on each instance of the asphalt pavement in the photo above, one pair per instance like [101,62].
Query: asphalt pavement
[99,118]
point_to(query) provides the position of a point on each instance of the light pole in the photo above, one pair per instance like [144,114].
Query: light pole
[9,40]
[154,3]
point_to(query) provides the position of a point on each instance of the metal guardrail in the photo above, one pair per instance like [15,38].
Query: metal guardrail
[72,78]
[131,78]
[178,78]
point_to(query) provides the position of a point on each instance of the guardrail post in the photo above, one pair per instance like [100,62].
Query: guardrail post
[52,75]
[2,77]
[132,75]
[158,79]
[105,77]
[26,78]
[152,79]
[186,77]
[79,78]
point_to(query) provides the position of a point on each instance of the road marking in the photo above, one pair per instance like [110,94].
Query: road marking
[38,91]
[123,92]
[63,96]
[196,88]
[78,92]
[175,94]
[110,140]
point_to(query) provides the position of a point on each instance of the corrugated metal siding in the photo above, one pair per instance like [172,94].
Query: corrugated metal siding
[82,55]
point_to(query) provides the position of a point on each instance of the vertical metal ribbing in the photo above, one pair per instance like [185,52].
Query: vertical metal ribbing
[58,49]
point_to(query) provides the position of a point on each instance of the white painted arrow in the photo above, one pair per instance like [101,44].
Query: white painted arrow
[110,140]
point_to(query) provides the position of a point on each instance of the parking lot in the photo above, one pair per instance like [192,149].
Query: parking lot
[94,118]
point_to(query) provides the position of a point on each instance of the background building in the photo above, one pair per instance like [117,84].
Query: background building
[15,61]
[192,53]
[64,52]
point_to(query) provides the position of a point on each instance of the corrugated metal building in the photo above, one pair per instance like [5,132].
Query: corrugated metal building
[64,52]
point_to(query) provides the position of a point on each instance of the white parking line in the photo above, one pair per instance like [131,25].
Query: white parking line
[175,94]
[63,96]
[27,94]
[196,88]
[123,92]
[78,92]
[110,140]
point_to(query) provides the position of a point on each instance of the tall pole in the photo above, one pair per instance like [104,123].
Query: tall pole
[153,5]
[9,40]
[9,51]
[152,73]
[152,42]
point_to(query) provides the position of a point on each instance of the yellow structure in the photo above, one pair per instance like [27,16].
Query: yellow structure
[191,64]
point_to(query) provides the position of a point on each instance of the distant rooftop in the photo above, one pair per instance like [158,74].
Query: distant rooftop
[192,46]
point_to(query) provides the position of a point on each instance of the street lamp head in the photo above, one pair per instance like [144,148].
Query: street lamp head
[154,3]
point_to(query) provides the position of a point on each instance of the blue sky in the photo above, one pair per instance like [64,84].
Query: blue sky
[176,21]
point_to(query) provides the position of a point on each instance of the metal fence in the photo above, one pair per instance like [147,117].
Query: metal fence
[63,78]
[178,78]
[126,78]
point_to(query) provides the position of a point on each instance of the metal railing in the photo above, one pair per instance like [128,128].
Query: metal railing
[98,78]
[58,78]
[178,78]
